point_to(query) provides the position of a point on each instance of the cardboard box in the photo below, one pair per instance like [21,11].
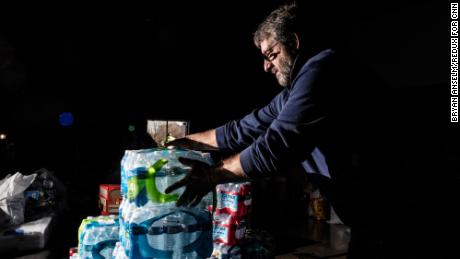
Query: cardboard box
[109,198]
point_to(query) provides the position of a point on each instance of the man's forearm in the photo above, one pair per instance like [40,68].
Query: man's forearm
[230,170]
[206,137]
[205,140]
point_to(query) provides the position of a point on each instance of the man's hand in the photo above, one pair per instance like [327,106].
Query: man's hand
[203,178]
[198,182]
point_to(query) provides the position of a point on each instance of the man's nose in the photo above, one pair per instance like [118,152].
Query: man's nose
[267,65]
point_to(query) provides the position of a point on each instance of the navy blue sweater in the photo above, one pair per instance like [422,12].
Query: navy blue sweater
[286,129]
[313,122]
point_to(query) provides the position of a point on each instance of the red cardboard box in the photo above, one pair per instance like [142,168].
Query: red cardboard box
[109,198]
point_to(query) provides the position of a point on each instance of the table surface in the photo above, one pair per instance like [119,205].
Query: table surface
[329,240]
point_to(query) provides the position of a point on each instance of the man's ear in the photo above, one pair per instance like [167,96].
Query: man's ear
[296,41]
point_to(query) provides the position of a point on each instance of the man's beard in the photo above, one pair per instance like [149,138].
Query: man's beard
[284,71]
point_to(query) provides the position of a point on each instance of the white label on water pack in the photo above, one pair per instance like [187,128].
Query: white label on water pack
[220,232]
[229,201]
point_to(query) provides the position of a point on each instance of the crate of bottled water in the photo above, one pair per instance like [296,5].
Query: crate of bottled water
[165,231]
[151,226]
[146,173]
[234,199]
[227,229]
[97,237]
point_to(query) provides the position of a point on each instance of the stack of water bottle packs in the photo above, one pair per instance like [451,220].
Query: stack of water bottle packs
[230,219]
[151,226]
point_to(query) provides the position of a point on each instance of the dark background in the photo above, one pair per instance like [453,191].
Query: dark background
[117,64]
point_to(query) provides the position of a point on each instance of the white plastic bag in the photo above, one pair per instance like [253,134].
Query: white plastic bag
[12,201]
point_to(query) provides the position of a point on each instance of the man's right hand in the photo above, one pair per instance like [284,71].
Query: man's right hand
[203,178]
[198,182]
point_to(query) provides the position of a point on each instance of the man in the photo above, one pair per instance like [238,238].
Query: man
[311,121]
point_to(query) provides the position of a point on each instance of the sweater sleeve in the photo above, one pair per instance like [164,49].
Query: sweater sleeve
[239,134]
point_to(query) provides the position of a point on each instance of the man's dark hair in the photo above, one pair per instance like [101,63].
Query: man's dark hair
[279,25]
[318,25]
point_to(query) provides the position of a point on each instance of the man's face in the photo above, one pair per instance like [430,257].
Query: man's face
[277,60]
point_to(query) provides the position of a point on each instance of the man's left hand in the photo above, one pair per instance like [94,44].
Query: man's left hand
[198,182]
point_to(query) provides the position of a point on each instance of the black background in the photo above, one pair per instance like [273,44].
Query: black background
[117,64]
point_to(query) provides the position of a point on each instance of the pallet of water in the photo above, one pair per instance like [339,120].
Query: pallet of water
[151,226]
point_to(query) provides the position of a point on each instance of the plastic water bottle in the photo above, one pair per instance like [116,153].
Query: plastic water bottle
[175,236]
[162,241]
[190,237]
